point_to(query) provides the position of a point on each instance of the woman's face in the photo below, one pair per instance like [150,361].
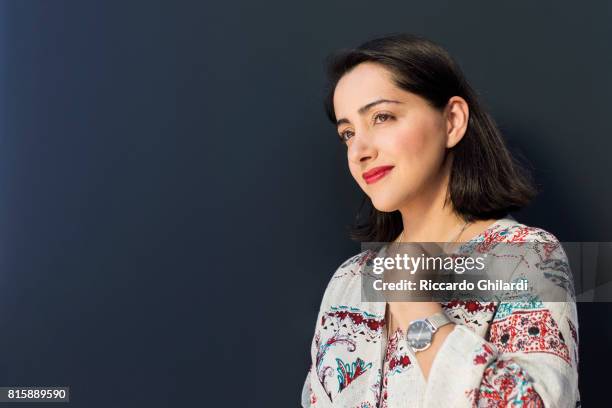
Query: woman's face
[395,149]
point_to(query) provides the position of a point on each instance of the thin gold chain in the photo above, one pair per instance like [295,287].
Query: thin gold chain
[465,225]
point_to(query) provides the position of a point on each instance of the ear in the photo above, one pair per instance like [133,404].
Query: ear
[456,115]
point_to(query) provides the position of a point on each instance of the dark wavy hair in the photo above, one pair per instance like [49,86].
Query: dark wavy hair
[486,182]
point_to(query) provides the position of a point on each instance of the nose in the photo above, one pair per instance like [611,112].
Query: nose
[361,149]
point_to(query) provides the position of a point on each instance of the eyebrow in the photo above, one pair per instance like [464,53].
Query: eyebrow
[367,107]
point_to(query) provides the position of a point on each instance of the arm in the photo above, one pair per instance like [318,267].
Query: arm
[509,370]
[528,359]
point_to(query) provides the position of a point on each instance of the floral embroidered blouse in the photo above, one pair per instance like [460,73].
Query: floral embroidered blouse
[499,354]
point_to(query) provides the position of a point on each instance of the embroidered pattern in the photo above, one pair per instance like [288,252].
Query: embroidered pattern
[490,239]
[385,394]
[556,269]
[362,258]
[470,306]
[312,396]
[376,387]
[505,309]
[396,361]
[469,313]
[361,322]
[520,234]
[345,325]
[484,354]
[529,331]
[574,335]
[348,372]
[326,371]
[397,355]
[505,384]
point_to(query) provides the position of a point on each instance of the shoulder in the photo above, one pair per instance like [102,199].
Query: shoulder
[344,286]
[509,235]
[542,259]
[538,242]
[353,265]
[511,231]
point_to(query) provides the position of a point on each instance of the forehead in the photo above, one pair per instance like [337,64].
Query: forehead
[363,84]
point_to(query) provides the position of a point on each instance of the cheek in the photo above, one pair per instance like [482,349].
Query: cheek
[417,144]
[418,153]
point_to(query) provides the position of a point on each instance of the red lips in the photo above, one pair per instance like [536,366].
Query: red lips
[376,173]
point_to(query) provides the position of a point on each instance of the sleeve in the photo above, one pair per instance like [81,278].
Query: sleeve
[310,399]
[529,357]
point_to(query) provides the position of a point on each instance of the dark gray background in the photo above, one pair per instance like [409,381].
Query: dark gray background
[173,201]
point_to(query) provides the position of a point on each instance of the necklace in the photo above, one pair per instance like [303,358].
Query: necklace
[465,225]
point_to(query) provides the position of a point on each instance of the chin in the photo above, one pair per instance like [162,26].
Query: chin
[385,205]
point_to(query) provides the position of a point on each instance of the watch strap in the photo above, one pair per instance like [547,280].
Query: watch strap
[438,320]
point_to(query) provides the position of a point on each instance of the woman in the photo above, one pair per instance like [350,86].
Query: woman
[435,168]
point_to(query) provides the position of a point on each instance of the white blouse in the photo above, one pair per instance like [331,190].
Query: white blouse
[499,354]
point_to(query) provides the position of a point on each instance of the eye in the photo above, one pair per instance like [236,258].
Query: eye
[345,136]
[378,118]
[383,116]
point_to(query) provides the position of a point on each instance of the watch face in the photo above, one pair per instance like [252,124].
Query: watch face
[419,335]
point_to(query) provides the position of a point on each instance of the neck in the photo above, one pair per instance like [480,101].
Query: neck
[425,217]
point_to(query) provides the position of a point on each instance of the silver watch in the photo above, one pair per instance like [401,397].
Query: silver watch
[420,332]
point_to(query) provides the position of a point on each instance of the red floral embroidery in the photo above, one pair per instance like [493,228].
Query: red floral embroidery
[313,398]
[483,356]
[529,331]
[491,237]
[397,358]
[356,319]
[504,384]
[471,306]
[520,234]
